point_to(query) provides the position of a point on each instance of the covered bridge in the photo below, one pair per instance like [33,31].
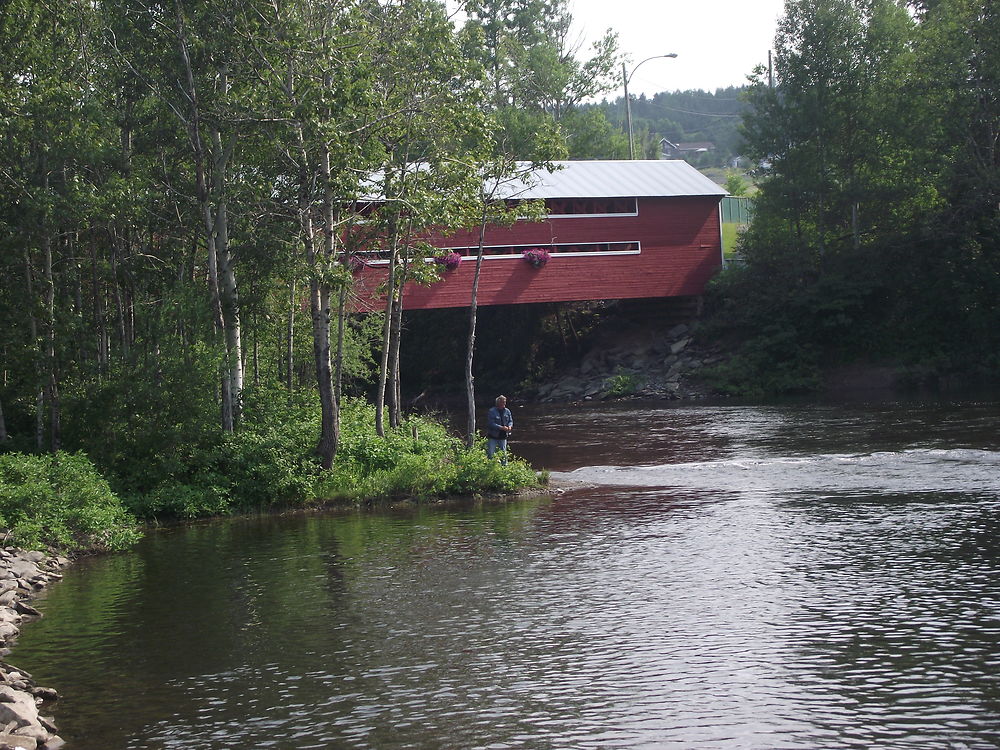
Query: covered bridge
[613,230]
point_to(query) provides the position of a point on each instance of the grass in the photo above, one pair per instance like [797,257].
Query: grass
[730,234]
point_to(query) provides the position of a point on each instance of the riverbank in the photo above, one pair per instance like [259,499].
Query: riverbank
[635,357]
[642,363]
[23,574]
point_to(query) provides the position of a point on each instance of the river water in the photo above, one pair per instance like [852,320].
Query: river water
[796,576]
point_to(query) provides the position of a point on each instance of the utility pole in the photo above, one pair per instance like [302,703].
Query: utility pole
[626,77]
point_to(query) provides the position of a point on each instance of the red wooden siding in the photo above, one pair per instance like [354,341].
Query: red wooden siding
[681,250]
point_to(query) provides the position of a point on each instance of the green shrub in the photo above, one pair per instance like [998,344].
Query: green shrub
[622,384]
[431,465]
[477,473]
[60,500]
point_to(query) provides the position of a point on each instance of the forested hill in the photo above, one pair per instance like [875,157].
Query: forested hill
[685,117]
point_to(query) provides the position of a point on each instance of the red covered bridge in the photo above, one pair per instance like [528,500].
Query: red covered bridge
[614,230]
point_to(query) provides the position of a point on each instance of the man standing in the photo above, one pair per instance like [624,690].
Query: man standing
[499,423]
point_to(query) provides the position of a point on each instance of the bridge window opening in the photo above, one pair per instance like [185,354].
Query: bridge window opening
[569,249]
[560,207]
[564,248]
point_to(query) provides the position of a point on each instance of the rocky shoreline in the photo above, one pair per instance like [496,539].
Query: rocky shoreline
[23,574]
[640,364]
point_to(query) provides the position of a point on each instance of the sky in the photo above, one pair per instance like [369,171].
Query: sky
[718,42]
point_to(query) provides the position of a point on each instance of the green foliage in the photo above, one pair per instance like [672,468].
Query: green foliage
[60,500]
[418,459]
[271,462]
[622,384]
[874,231]
[134,139]
[736,184]
[590,135]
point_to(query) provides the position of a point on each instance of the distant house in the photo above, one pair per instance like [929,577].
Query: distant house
[614,230]
[671,150]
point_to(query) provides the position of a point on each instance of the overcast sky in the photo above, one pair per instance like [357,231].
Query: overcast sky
[718,42]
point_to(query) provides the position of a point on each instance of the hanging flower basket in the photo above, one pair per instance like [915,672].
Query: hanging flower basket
[536,256]
[451,261]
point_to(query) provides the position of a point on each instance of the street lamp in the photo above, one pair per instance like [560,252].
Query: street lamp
[628,105]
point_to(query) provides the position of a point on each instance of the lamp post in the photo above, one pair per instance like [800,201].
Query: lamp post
[628,106]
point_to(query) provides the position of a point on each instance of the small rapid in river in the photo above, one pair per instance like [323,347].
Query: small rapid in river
[909,471]
[797,576]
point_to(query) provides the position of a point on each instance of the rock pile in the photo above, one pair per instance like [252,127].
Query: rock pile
[643,365]
[22,576]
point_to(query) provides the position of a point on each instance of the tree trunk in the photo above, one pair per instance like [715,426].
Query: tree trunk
[33,334]
[395,337]
[55,420]
[118,297]
[383,370]
[320,303]
[339,361]
[231,319]
[3,426]
[392,376]
[470,387]
[103,344]
[329,405]
[290,337]
[212,199]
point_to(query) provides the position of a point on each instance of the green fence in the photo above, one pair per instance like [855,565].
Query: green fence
[736,210]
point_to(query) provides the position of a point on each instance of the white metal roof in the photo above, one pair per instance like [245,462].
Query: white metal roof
[617,179]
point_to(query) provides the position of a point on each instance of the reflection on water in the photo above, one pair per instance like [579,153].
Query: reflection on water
[790,577]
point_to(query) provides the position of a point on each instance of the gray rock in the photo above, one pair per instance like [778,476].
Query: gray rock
[8,631]
[35,731]
[17,742]
[18,706]
[8,614]
[677,331]
[24,569]
[45,693]
[35,556]
[678,346]
[26,609]
[55,742]
[15,671]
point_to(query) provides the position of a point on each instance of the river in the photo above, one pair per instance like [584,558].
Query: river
[792,576]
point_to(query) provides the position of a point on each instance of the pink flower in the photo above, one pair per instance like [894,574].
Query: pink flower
[451,261]
[537,256]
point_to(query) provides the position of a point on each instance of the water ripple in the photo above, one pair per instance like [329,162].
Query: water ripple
[745,591]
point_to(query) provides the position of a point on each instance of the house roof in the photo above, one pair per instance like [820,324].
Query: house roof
[617,179]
